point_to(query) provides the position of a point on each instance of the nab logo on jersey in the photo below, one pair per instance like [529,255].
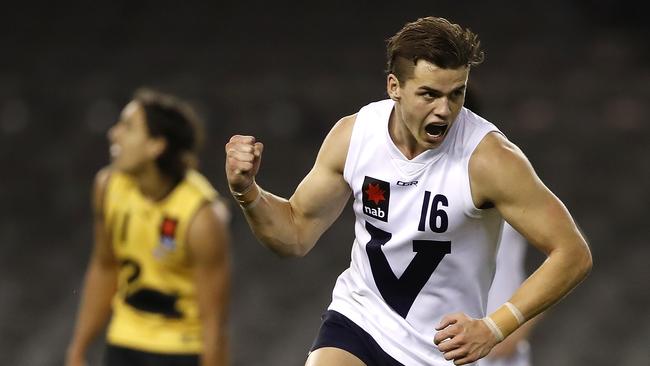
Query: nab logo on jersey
[376,194]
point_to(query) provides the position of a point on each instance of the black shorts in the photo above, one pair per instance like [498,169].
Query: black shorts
[120,356]
[340,332]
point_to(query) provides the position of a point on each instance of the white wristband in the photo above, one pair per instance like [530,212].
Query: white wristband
[494,328]
[513,309]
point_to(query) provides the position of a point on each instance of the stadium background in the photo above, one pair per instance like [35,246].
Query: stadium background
[568,81]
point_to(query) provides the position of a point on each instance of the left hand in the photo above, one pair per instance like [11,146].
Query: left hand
[463,339]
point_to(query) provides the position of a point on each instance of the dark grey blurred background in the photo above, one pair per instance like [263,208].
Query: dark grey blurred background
[568,81]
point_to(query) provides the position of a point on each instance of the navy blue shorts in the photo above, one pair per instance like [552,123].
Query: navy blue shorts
[120,356]
[340,332]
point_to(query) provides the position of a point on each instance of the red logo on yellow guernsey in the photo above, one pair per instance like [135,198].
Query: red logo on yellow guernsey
[376,195]
[167,237]
[168,227]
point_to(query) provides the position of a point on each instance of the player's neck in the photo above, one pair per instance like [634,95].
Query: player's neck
[153,184]
[403,138]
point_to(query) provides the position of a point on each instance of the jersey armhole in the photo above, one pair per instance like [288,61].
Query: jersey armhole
[353,150]
[471,209]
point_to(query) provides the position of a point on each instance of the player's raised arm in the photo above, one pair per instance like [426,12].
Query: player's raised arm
[291,227]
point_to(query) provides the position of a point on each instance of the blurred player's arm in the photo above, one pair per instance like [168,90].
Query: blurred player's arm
[100,281]
[292,227]
[208,242]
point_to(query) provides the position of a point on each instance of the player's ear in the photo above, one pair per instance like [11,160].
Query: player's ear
[156,146]
[393,87]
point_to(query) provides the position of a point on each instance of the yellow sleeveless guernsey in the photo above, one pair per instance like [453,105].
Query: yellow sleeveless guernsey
[155,307]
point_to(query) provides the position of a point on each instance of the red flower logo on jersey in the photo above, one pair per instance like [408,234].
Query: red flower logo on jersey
[168,227]
[375,197]
[167,244]
[375,193]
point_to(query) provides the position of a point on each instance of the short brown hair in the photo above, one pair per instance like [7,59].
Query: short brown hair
[437,40]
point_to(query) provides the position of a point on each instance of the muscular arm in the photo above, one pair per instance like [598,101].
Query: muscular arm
[501,175]
[99,284]
[292,227]
[208,242]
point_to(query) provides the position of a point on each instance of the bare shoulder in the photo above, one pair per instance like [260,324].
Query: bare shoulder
[334,150]
[220,208]
[99,187]
[341,133]
[495,148]
[346,123]
[497,165]
[207,234]
[210,218]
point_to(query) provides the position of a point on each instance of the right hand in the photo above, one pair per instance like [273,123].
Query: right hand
[243,157]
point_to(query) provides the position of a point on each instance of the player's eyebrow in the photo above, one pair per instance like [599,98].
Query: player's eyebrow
[436,91]
[432,90]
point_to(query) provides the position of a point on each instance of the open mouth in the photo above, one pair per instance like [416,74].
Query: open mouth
[434,130]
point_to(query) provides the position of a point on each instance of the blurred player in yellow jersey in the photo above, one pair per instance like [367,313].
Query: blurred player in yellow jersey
[160,259]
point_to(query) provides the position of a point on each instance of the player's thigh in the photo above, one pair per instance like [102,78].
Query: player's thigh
[328,356]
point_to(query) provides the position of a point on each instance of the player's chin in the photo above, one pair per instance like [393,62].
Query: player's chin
[116,164]
[120,166]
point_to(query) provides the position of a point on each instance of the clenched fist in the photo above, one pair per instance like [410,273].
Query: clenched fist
[243,157]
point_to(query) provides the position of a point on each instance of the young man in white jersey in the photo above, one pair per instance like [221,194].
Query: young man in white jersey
[432,183]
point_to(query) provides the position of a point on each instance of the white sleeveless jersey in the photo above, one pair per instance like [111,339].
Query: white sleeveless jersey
[422,249]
